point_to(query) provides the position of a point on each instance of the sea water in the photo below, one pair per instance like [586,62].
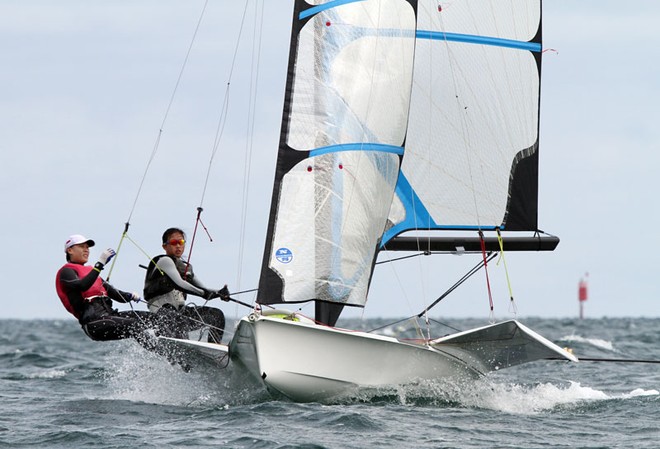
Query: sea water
[60,389]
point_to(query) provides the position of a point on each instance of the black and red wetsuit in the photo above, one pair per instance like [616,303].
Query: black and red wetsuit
[89,298]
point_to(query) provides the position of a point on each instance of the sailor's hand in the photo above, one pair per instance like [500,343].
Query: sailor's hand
[135,297]
[104,258]
[209,294]
[223,293]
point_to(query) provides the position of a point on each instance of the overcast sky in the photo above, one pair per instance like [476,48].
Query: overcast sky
[86,84]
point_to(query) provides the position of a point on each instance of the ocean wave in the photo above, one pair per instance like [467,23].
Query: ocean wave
[47,374]
[597,342]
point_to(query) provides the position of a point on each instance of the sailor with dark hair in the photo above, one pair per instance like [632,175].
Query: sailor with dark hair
[169,280]
[89,298]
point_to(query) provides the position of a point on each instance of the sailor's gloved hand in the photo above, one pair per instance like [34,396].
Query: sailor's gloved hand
[104,258]
[223,293]
[209,294]
[135,297]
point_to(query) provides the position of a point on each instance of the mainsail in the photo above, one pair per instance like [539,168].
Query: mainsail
[454,85]
[471,157]
[343,131]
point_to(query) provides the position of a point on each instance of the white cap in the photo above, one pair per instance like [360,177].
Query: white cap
[77,239]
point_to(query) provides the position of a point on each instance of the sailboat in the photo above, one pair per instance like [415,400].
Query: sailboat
[408,125]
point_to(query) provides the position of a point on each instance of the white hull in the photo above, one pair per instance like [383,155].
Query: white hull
[307,362]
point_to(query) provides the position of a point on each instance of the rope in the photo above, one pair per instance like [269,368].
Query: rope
[167,111]
[254,76]
[425,253]
[218,137]
[157,143]
[223,111]
[512,304]
[121,240]
[485,261]
[465,277]
[587,359]
[219,132]
[428,320]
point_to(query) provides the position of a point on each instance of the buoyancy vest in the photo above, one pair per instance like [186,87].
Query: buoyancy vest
[96,289]
[157,283]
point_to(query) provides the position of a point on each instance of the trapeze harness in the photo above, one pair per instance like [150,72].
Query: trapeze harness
[83,301]
[160,289]
[168,297]
[87,297]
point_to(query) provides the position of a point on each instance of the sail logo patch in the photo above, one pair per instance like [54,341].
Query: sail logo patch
[284,255]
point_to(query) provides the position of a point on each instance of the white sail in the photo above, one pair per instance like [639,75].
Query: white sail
[343,130]
[473,118]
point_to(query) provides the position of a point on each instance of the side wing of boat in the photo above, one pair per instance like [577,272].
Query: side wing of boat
[193,352]
[500,345]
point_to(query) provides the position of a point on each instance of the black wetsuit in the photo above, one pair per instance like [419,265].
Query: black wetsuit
[95,314]
[176,320]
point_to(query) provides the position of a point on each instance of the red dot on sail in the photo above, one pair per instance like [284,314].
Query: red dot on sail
[341,166]
[309,168]
[328,23]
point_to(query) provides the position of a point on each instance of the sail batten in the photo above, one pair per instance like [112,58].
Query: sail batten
[357,146]
[481,40]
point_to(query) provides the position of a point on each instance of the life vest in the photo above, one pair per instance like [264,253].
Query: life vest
[96,289]
[157,283]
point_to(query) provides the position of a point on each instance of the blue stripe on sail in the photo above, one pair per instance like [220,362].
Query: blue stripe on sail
[357,147]
[317,9]
[417,216]
[416,212]
[483,40]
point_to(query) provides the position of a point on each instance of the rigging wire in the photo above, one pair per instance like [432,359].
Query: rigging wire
[404,257]
[158,137]
[192,241]
[222,121]
[593,359]
[167,111]
[254,78]
[490,256]
[217,139]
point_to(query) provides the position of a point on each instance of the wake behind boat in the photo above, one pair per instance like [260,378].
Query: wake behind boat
[399,116]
